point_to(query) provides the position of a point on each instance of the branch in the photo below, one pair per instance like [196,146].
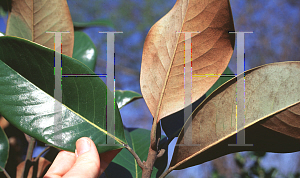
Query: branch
[153,149]
[5,173]
[138,160]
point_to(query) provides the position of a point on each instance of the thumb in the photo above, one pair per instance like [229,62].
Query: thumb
[87,162]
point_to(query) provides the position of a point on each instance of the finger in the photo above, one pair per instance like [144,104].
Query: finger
[88,161]
[63,162]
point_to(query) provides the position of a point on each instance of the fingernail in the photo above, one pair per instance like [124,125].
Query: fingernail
[83,145]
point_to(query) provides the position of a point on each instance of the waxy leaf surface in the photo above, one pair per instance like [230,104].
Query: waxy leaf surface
[27,90]
[272,109]
[84,50]
[124,97]
[162,69]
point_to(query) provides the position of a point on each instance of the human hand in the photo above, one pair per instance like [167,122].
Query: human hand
[84,163]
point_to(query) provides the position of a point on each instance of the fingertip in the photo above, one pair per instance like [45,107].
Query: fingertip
[88,161]
[83,145]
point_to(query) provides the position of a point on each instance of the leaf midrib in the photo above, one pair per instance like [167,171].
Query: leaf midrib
[168,73]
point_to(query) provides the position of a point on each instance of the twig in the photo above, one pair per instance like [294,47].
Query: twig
[161,152]
[153,149]
[44,151]
[138,160]
[31,144]
[5,173]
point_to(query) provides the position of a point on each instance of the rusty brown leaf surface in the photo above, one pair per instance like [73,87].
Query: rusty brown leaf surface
[43,166]
[162,69]
[272,117]
[30,19]
[286,122]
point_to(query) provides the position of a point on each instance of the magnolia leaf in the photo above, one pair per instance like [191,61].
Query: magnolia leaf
[31,20]
[124,97]
[173,123]
[4,148]
[27,90]
[124,162]
[84,49]
[162,69]
[271,120]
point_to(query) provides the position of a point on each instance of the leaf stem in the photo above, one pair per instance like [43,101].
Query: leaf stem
[153,149]
[31,144]
[44,151]
[166,172]
[138,160]
[5,173]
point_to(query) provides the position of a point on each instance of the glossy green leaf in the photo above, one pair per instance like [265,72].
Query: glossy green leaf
[4,148]
[124,97]
[124,165]
[100,22]
[84,49]
[27,97]
[220,81]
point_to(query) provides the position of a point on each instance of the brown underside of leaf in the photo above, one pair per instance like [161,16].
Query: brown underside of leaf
[106,158]
[30,19]
[286,122]
[43,164]
[261,137]
[162,69]
[271,116]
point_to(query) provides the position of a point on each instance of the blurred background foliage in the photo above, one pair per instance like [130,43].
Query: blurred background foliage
[276,37]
